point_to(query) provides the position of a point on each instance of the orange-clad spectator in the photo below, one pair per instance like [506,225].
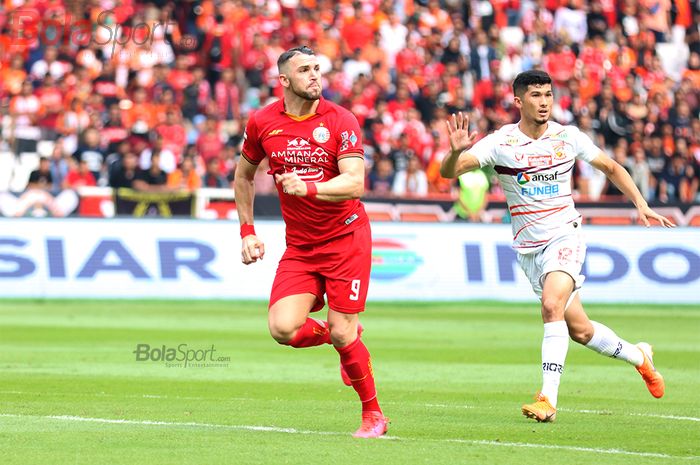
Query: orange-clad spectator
[307,25]
[78,85]
[71,123]
[693,71]
[433,16]
[87,58]
[327,45]
[356,31]
[165,103]
[140,109]
[206,13]
[684,15]
[623,56]
[374,54]
[119,12]
[655,17]
[185,176]
[13,76]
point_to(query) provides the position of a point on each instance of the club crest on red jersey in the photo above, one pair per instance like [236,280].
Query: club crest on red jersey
[321,134]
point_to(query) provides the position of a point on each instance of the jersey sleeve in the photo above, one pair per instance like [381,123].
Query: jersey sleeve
[485,150]
[349,136]
[252,149]
[586,149]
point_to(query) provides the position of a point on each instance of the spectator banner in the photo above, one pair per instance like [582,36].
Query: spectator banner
[155,258]
[165,204]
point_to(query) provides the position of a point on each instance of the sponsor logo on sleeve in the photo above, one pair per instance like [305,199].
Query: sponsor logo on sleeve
[347,138]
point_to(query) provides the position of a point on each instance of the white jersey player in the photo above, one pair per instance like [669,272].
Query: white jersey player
[534,160]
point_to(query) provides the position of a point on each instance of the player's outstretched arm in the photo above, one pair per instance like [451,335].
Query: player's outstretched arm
[621,178]
[252,248]
[459,161]
[349,184]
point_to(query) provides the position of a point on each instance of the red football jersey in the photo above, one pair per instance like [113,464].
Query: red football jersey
[310,147]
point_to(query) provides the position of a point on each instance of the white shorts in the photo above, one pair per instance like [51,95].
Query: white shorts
[564,253]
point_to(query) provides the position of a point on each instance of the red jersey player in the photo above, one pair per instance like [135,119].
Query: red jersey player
[316,156]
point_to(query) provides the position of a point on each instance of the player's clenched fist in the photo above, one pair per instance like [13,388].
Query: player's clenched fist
[252,249]
[291,184]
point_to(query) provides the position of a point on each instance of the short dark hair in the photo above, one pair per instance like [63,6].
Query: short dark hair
[533,77]
[286,56]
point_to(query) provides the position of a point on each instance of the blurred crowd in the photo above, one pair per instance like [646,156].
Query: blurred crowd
[155,95]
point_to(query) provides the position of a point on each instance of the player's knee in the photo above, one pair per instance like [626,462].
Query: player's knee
[342,335]
[582,335]
[281,332]
[552,308]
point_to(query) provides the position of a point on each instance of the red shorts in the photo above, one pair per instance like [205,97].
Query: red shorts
[339,268]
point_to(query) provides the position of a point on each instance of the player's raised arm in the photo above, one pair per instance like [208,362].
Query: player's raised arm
[459,161]
[252,248]
[349,184]
[621,178]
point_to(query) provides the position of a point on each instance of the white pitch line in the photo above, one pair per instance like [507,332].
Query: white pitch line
[275,429]
[648,415]
[444,405]
[458,406]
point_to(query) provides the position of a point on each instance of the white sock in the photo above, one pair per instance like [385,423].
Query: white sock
[555,344]
[606,342]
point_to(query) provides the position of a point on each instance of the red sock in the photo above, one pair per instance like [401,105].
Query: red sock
[313,333]
[357,364]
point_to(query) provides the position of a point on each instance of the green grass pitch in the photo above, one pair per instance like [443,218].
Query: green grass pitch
[451,377]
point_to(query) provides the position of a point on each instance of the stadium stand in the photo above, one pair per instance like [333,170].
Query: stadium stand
[184,77]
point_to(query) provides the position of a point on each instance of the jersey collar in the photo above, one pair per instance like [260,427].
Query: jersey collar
[322,107]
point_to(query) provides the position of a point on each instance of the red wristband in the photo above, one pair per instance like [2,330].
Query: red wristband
[311,190]
[247,230]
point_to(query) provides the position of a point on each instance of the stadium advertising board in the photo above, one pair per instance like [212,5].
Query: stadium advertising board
[151,258]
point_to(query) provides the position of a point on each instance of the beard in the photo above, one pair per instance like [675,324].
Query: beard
[310,95]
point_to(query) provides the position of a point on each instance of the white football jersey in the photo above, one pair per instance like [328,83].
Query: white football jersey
[536,178]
